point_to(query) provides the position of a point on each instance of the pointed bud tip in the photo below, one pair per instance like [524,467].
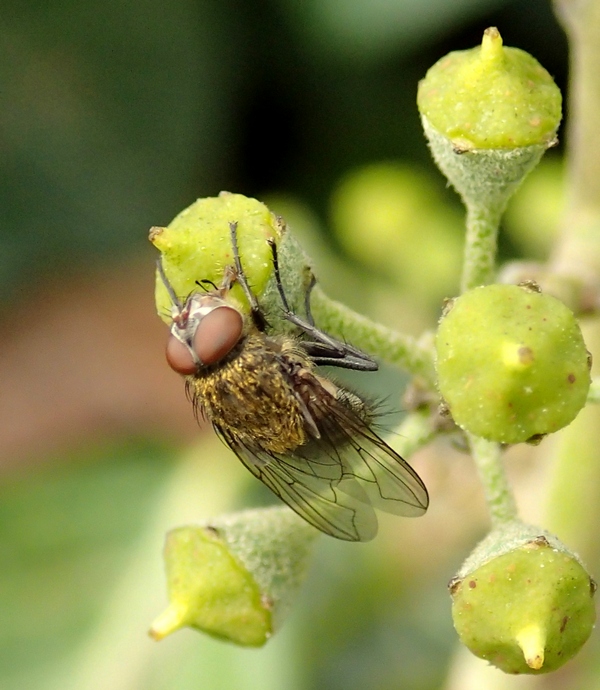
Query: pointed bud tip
[490,97]
[491,45]
[531,639]
[170,620]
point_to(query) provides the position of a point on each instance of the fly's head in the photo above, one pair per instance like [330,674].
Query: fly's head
[205,327]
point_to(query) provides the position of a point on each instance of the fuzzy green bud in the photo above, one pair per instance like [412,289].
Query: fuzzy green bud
[236,578]
[511,362]
[491,97]
[527,609]
[197,245]
[489,114]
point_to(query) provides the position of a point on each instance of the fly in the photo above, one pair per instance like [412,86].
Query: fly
[308,439]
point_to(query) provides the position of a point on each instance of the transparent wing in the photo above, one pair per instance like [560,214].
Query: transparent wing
[388,481]
[334,481]
[313,490]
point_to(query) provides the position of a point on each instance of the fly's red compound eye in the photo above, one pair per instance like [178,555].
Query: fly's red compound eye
[217,333]
[179,357]
[211,337]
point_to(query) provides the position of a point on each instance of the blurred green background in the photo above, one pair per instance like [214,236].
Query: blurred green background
[113,117]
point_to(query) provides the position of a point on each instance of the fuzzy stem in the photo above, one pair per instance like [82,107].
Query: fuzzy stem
[415,431]
[498,494]
[483,221]
[391,346]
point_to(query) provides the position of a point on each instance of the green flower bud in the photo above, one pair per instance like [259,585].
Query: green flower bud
[196,245]
[511,363]
[496,106]
[527,609]
[236,578]
[491,97]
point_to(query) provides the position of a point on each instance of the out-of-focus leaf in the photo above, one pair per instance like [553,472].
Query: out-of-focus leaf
[65,534]
[108,112]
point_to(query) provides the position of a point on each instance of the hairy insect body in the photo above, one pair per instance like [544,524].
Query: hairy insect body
[308,439]
[251,394]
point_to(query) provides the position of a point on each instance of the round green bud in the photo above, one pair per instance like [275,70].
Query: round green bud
[489,114]
[529,610]
[491,97]
[511,363]
[196,245]
[236,578]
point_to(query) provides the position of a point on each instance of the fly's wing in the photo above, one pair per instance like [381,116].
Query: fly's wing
[334,481]
[312,489]
[387,480]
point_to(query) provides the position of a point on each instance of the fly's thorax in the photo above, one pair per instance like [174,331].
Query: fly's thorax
[203,332]
[250,393]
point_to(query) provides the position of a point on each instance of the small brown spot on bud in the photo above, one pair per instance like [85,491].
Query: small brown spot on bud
[525,355]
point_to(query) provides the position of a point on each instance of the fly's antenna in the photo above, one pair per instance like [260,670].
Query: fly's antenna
[174,299]
[204,282]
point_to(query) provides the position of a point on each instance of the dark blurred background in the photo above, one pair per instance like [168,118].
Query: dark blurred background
[114,116]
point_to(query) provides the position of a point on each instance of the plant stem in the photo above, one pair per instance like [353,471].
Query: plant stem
[498,494]
[415,431]
[483,221]
[391,346]
[573,495]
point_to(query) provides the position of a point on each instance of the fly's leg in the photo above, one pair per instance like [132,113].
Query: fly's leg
[174,299]
[322,349]
[256,312]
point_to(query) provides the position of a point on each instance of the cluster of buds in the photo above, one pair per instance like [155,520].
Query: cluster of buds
[511,362]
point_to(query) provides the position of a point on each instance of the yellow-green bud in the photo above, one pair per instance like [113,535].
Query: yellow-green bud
[528,610]
[385,205]
[489,114]
[236,578]
[196,245]
[511,363]
[491,97]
